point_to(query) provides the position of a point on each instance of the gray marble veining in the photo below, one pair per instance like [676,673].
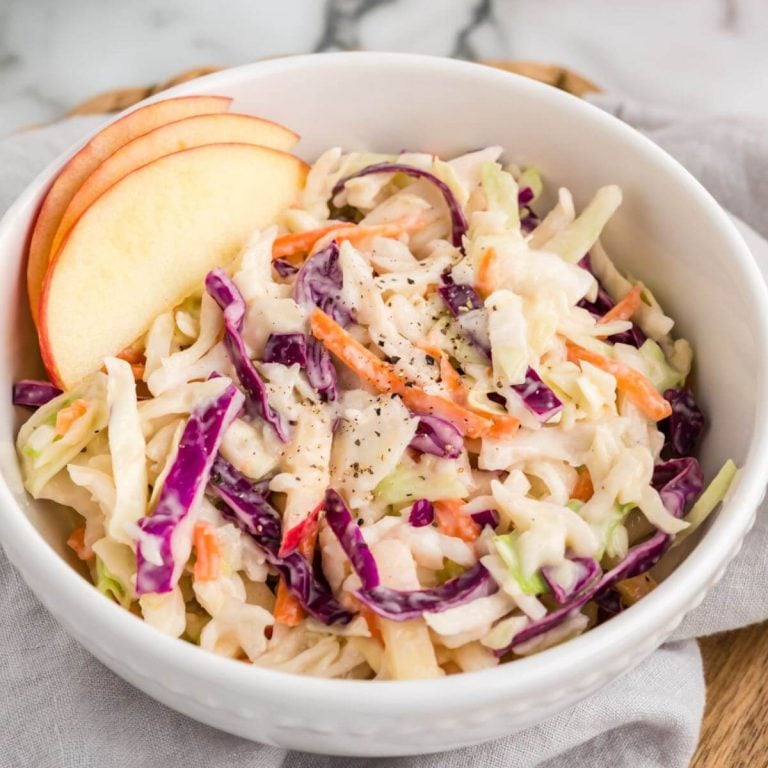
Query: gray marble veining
[700,55]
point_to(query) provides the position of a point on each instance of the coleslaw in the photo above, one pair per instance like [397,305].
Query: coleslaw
[414,429]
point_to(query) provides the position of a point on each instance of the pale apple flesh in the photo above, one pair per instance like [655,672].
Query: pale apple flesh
[87,159]
[148,242]
[183,134]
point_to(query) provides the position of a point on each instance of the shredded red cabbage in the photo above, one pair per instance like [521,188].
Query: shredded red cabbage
[309,354]
[589,570]
[467,307]
[686,424]
[183,488]
[486,517]
[437,437]
[33,393]
[639,559]
[459,224]
[284,268]
[226,294]
[249,510]
[422,513]
[524,196]
[465,304]
[679,482]
[538,398]
[401,606]
[597,308]
[340,520]
[319,284]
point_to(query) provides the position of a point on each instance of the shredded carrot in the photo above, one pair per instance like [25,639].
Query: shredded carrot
[635,588]
[357,234]
[303,535]
[453,522]
[298,243]
[131,355]
[631,382]
[76,542]
[207,551]
[503,426]
[66,417]
[372,620]
[429,345]
[287,609]
[302,538]
[383,377]
[483,280]
[626,307]
[453,383]
[583,489]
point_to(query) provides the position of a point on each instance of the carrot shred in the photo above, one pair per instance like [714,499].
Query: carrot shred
[583,490]
[66,417]
[625,308]
[303,535]
[452,522]
[207,551]
[483,280]
[287,609]
[453,383]
[298,243]
[76,542]
[503,427]
[637,388]
[131,355]
[372,620]
[383,377]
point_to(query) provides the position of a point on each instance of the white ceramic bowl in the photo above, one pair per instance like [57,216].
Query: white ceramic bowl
[669,232]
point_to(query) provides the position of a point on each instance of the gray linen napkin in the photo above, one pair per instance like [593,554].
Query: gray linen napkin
[60,708]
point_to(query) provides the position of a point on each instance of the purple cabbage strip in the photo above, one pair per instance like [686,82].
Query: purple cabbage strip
[33,393]
[183,488]
[246,506]
[590,570]
[528,220]
[486,517]
[319,284]
[634,336]
[401,606]
[537,396]
[284,268]
[309,354]
[467,307]
[422,513]
[524,196]
[225,293]
[679,482]
[437,437]
[459,223]
[608,605]
[684,427]
[339,518]
[640,559]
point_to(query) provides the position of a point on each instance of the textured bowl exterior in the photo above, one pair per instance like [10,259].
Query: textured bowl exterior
[395,718]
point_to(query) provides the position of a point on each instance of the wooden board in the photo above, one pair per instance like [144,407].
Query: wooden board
[735,729]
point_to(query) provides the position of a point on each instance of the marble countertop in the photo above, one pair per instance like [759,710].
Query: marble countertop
[698,55]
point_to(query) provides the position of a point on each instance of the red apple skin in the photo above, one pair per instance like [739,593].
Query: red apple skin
[83,163]
[149,241]
[166,139]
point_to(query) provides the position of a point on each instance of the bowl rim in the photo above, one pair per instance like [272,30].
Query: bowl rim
[670,600]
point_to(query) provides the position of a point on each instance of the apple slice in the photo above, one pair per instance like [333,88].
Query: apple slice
[148,242]
[172,137]
[87,159]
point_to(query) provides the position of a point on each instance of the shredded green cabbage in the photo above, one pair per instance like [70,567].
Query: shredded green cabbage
[109,585]
[501,193]
[712,495]
[406,484]
[507,547]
